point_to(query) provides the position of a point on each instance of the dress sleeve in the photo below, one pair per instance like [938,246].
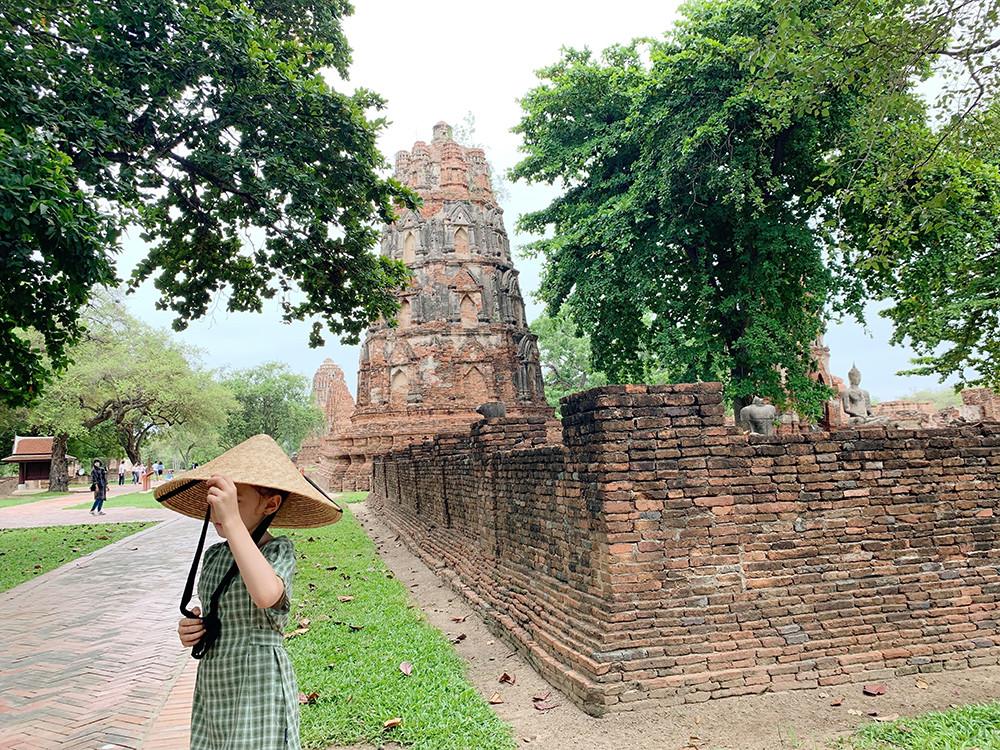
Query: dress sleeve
[280,553]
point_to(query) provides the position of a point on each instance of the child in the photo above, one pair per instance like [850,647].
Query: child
[245,697]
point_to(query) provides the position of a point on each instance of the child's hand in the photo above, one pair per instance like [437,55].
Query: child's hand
[222,499]
[191,629]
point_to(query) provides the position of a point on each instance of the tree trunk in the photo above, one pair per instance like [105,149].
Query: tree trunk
[130,444]
[58,471]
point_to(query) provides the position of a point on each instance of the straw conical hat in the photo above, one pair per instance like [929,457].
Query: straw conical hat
[258,461]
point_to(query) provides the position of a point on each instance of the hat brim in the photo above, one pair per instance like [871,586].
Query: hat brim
[260,462]
[297,511]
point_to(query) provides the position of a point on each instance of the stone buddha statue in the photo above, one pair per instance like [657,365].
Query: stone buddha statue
[759,417]
[857,402]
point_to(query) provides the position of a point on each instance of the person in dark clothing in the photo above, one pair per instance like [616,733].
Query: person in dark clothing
[99,486]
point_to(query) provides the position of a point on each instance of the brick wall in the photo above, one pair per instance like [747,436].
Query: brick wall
[656,554]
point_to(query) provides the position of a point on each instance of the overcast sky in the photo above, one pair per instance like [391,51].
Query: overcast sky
[442,61]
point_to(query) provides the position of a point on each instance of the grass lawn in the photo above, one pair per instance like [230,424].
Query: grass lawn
[7,502]
[26,553]
[974,727]
[132,500]
[349,498]
[351,655]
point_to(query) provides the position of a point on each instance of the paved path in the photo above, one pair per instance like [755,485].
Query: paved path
[90,652]
[52,512]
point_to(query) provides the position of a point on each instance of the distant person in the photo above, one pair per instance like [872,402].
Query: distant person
[159,469]
[140,474]
[121,473]
[135,474]
[99,486]
[147,476]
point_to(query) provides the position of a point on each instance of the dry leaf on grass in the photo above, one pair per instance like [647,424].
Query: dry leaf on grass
[345,599]
[352,626]
[392,723]
[308,698]
[496,699]
[508,678]
[406,668]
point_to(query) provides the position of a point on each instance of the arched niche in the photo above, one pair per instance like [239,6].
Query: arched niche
[469,312]
[462,242]
[399,387]
[409,247]
[405,315]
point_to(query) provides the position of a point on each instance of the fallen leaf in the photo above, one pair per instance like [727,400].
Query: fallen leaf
[508,678]
[542,696]
[297,631]
[545,706]
[921,684]
[345,599]
[458,638]
[304,622]
[392,723]
[837,701]
[355,627]
[406,668]
[310,698]
[855,712]
[459,619]
[887,717]
[873,689]
[331,567]
[496,699]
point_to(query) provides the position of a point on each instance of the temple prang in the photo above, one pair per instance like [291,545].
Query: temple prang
[460,338]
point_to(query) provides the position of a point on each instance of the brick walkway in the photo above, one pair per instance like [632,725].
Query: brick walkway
[52,512]
[90,656]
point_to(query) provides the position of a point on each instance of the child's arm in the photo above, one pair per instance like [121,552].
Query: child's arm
[263,584]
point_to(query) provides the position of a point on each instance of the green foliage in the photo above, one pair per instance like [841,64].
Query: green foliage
[725,193]
[129,380]
[208,124]
[565,356]
[912,184]
[355,670]
[962,728]
[942,398]
[26,553]
[681,232]
[272,400]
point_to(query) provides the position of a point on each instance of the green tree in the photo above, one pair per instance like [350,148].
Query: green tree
[208,124]
[704,224]
[272,400]
[565,356]
[915,180]
[129,379]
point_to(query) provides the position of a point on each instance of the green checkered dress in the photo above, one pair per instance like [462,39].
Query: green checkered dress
[246,697]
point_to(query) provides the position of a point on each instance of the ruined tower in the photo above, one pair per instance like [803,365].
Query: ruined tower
[332,397]
[460,338]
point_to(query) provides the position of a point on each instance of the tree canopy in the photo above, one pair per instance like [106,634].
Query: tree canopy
[273,400]
[128,381]
[207,124]
[721,201]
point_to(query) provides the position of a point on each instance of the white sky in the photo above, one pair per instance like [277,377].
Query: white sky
[440,61]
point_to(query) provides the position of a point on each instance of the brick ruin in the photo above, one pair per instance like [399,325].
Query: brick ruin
[334,399]
[460,338]
[655,555]
[978,405]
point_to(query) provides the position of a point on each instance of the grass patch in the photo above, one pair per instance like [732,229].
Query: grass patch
[964,728]
[131,500]
[351,655]
[26,553]
[7,502]
[349,498]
